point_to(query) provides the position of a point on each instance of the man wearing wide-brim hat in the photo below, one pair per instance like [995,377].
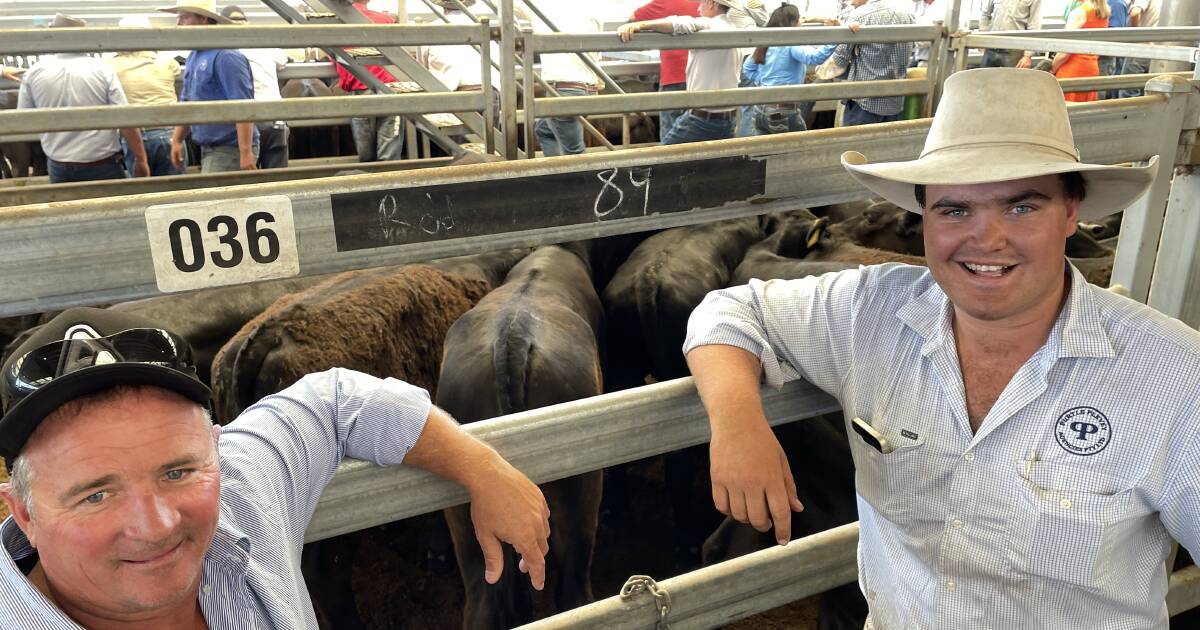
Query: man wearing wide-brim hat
[1009,472]
[215,75]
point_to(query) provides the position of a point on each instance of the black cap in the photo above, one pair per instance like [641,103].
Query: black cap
[167,365]
[234,13]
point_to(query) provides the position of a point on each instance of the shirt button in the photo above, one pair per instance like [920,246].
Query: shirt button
[956,524]
[969,456]
[1065,503]
[207,589]
[950,585]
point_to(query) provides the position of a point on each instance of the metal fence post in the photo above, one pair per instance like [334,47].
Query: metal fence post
[489,90]
[1142,225]
[1174,288]
[528,90]
[946,62]
[508,79]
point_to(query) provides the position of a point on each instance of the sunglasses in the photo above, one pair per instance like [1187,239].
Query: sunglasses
[40,366]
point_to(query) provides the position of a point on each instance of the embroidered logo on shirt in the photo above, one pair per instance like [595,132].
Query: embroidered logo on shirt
[1083,431]
[908,434]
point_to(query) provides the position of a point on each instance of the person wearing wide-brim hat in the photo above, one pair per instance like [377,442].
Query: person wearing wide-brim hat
[202,8]
[1009,473]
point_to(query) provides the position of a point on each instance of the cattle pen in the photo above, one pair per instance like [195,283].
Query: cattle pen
[108,242]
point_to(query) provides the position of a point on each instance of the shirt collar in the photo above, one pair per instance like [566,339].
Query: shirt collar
[1078,330]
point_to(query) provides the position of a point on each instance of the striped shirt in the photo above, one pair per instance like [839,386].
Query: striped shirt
[876,62]
[1057,512]
[275,460]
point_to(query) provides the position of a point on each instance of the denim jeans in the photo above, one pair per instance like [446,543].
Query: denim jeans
[854,115]
[561,136]
[378,139]
[993,58]
[769,119]
[61,173]
[1109,66]
[691,128]
[273,144]
[158,152]
[667,118]
[221,158]
[1133,65]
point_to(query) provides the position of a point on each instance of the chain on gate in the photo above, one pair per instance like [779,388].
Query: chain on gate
[644,583]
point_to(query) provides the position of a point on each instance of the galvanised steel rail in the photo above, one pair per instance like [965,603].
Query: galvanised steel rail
[1086,47]
[741,38]
[114,39]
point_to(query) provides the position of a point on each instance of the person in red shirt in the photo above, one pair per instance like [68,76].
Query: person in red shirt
[672,75]
[376,139]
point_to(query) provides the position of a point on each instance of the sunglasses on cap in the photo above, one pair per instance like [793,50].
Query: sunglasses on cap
[82,348]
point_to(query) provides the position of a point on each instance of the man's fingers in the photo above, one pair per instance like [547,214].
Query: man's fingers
[781,514]
[737,507]
[493,558]
[792,495]
[720,499]
[535,565]
[757,510]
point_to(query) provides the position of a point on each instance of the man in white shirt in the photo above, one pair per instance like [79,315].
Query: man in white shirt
[707,69]
[460,67]
[76,80]
[569,76]
[265,63]
[1008,472]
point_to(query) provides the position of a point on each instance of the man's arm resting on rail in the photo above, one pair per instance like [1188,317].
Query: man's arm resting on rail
[752,480]
[626,31]
[505,505]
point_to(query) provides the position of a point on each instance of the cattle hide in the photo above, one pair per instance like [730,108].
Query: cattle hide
[531,343]
[1082,244]
[780,254]
[884,225]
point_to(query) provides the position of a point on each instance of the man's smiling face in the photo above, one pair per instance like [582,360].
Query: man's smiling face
[997,249]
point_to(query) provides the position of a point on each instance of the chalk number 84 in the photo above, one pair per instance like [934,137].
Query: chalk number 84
[187,242]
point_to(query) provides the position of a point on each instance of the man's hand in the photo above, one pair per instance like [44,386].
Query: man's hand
[751,479]
[141,168]
[1025,62]
[854,27]
[177,155]
[626,31]
[506,507]
[247,161]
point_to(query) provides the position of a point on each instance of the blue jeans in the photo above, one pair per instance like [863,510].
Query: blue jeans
[221,158]
[158,152]
[854,115]
[993,58]
[1134,66]
[1109,66]
[561,136]
[692,128]
[770,119]
[667,118]
[113,168]
[378,139]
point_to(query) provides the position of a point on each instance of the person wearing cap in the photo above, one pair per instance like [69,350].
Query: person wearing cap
[215,75]
[149,80]
[707,69]
[1008,472]
[131,510]
[265,64]
[874,62]
[77,80]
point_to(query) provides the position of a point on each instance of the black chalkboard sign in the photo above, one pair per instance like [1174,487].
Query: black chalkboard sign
[400,216]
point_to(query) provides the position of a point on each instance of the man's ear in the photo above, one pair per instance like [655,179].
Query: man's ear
[1072,206]
[19,511]
[216,438]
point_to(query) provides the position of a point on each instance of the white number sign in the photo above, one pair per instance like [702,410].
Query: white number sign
[218,243]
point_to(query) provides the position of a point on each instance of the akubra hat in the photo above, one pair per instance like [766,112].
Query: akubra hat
[207,8]
[62,20]
[995,125]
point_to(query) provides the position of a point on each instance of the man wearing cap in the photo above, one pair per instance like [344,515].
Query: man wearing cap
[215,75]
[265,64]
[1007,474]
[77,80]
[149,80]
[131,510]
[707,69]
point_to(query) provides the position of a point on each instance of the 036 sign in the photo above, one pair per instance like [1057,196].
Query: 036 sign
[219,243]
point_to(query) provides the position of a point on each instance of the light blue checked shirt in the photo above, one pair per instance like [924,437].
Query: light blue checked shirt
[1058,513]
[275,460]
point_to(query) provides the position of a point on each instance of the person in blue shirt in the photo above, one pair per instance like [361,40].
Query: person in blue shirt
[1118,17]
[781,65]
[215,75]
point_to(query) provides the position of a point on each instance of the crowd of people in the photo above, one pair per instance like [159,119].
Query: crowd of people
[146,78]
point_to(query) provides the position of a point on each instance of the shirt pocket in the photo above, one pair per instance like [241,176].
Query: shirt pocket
[891,482]
[1064,521]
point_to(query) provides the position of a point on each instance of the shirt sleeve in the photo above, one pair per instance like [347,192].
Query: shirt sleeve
[796,328]
[24,96]
[684,24]
[232,70]
[1180,505]
[116,93]
[811,54]
[287,446]
[750,69]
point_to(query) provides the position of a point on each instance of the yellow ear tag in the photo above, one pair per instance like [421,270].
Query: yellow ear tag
[814,235]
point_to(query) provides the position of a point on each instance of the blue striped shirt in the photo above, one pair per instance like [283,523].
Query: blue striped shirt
[1058,512]
[785,65]
[276,458]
